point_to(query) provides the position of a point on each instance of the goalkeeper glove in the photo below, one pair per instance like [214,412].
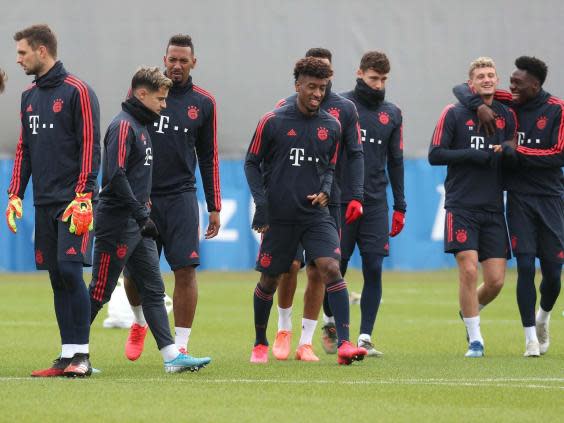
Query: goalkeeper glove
[149,229]
[13,211]
[398,220]
[80,213]
[354,211]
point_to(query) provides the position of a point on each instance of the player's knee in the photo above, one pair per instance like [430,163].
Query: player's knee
[331,269]
[526,267]
[295,267]
[551,272]
[268,283]
[468,270]
[57,282]
[71,273]
[372,263]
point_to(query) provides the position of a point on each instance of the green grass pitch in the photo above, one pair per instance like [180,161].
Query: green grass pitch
[422,377]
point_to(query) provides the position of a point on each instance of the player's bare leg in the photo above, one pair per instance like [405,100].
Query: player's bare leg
[185,299]
[468,297]
[494,276]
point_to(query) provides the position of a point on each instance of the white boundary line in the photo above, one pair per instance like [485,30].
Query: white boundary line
[527,383]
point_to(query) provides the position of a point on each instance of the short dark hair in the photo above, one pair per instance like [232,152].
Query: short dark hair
[312,66]
[151,78]
[39,35]
[320,53]
[3,79]
[375,60]
[180,40]
[533,66]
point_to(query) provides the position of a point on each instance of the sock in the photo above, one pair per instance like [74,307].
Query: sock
[285,318]
[530,334]
[328,319]
[308,329]
[327,307]
[170,352]
[138,316]
[371,291]
[82,349]
[473,327]
[181,337]
[338,296]
[526,291]
[550,284]
[63,311]
[364,337]
[542,316]
[67,350]
[262,303]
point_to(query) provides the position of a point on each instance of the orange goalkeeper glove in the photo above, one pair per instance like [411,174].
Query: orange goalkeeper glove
[13,211]
[80,213]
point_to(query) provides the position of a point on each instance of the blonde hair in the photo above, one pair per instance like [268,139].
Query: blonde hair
[3,79]
[480,62]
[150,77]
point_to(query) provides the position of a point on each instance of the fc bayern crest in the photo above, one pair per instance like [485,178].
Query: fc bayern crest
[39,257]
[57,105]
[541,122]
[333,111]
[500,122]
[514,242]
[193,112]
[461,236]
[384,118]
[121,251]
[265,260]
[322,133]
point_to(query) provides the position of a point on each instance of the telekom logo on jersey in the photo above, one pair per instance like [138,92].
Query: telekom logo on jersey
[297,156]
[34,124]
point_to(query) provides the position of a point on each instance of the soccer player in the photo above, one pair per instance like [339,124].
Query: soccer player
[59,147]
[475,229]
[344,111]
[535,187]
[289,169]
[125,234]
[185,134]
[382,134]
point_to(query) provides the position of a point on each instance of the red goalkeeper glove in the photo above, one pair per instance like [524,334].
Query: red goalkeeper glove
[80,213]
[398,221]
[13,211]
[354,211]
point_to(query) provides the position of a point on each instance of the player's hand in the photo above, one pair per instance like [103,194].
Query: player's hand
[497,148]
[213,225]
[13,211]
[486,119]
[149,229]
[354,211]
[320,198]
[398,222]
[260,219]
[80,213]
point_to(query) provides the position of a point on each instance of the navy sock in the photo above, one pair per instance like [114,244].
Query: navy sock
[262,303]
[371,291]
[78,298]
[550,285]
[326,307]
[526,291]
[338,296]
[63,311]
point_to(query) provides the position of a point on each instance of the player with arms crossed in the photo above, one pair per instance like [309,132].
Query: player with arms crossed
[535,187]
[289,169]
[59,148]
[185,134]
[475,229]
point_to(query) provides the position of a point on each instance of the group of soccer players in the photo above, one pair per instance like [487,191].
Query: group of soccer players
[317,166]
[495,141]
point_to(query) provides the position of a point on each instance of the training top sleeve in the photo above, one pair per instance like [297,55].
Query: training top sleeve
[328,174]
[21,170]
[118,147]
[86,112]
[395,165]
[207,151]
[259,147]
[355,156]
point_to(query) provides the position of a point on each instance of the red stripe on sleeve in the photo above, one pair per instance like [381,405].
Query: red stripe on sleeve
[87,131]
[335,156]
[256,143]
[280,103]
[559,146]
[122,139]
[216,183]
[503,95]
[15,183]
[358,133]
[439,128]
